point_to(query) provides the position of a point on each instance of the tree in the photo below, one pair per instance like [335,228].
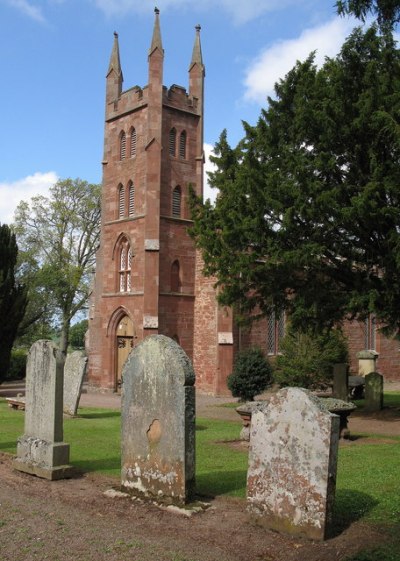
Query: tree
[13,297]
[251,375]
[308,214]
[387,12]
[60,235]
[77,334]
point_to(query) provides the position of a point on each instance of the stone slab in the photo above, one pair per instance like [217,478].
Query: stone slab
[74,372]
[158,422]
[292,464]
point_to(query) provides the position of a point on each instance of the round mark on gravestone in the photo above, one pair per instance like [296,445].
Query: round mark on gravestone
[154,432]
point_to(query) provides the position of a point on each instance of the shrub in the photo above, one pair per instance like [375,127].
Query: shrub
[77,334]
[17,368]
[251,375]
[307,358]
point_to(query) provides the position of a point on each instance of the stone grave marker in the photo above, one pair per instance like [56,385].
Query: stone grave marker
[291,478]
[341,381]
[158,422]
[373,391]
[74,372]
[41,450]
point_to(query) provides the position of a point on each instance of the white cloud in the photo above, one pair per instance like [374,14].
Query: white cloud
[240,11]
[275,62]
[23,189]
[28,9]
[209,193]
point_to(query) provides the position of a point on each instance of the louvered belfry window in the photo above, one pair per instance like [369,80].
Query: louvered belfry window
[133,142]
[182,145]
[121,201]
[131,199]
[123,146]
[172,142]
[176,202]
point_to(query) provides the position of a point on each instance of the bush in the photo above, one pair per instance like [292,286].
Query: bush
[17,368]
[251,375]
[307,358]
[77,334]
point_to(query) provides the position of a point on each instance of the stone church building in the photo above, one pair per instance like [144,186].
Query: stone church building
[148,273]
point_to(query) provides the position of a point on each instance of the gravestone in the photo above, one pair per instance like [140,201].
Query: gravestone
[373,392]
[340,381]
[41,450]
[158,422]
[291,478]
[74,372]
[367,362]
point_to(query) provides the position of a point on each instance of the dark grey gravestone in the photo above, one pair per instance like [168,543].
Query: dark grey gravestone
[373,391]
[292,464]
[41,450]
[341,381]
[158,422]
[74,372]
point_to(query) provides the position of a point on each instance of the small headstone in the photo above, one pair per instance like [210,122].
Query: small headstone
[367,362]
[292,464]
[41,450]
[340,381]
[158,422]
[373,391]
[74,371]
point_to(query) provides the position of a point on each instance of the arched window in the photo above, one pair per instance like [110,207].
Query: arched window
[275,332]
[175,277]
[176,201]
[370,333]
[121,201]
[133,142]
[122,146]
[182,145]
[131,194]
[125,266]
[172,142]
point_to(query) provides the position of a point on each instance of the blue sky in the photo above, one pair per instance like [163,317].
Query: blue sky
[55,54]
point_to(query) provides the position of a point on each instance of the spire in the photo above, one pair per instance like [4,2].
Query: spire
[197,57]
[115,63]
[156,42]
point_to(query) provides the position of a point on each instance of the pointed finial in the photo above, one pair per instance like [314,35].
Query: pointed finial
[115,63]
[156,40]
[197,57]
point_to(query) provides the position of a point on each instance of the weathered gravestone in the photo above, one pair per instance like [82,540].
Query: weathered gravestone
[74,371]
[292,464]
[41,450]
[340,381]
[158,422]
[373,391]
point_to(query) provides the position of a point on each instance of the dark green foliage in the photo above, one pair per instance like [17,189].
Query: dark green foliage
[77,334]
[17,369]
[251,375]
[387,12]
[13,297]
[308,214]
[307,358]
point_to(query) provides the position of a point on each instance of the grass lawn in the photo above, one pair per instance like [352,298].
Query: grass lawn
[368,475]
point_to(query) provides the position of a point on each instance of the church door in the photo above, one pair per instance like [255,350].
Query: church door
[124,344]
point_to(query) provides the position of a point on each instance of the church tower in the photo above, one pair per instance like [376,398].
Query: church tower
[145,269]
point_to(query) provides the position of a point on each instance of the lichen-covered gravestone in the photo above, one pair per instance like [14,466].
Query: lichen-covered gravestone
[158,422]
[373,391]
[74,371]
[292,464]
[41,450]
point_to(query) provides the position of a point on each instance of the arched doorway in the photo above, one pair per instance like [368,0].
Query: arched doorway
[124,344]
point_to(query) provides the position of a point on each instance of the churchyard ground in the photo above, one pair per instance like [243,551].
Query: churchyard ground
[73,519]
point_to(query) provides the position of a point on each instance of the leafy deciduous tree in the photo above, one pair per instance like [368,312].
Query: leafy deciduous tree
[60,234]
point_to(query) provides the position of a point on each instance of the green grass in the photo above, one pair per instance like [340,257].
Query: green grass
[390,399]
[367,484]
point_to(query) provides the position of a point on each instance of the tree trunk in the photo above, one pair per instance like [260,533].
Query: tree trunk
[64,336]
